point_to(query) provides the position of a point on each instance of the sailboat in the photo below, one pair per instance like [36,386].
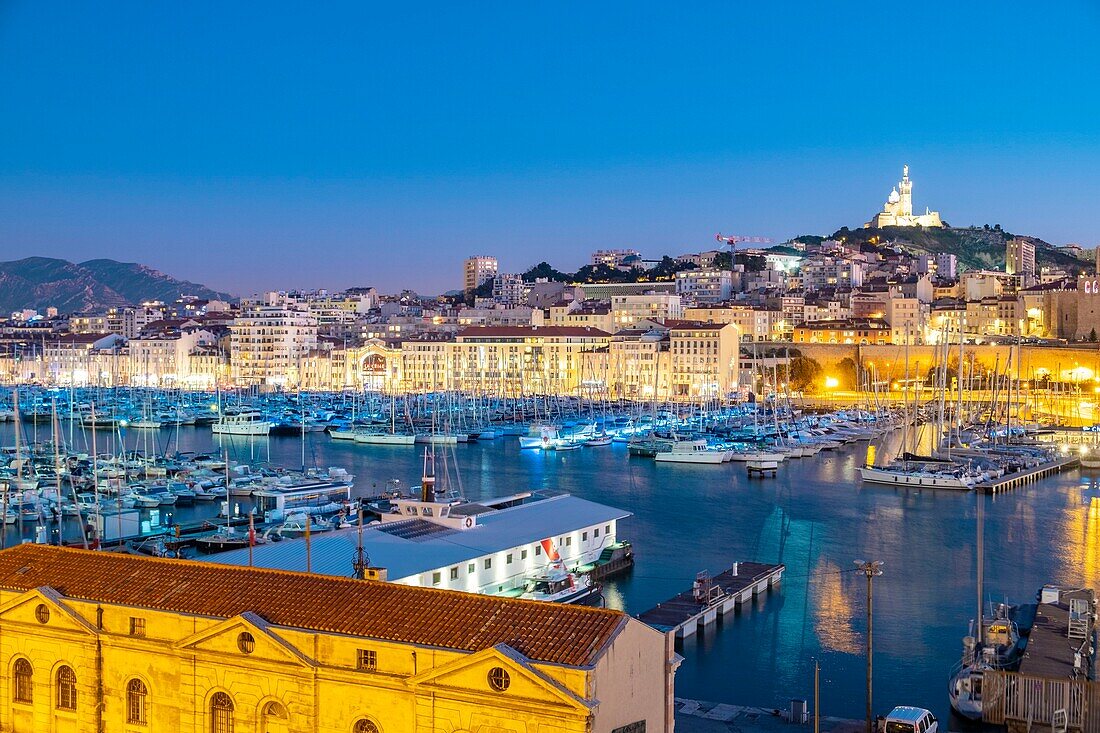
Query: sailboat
[989,646]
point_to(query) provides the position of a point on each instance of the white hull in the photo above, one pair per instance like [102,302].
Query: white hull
[385,439]
[709,457]
[886,476]
[757,456]
[252,429]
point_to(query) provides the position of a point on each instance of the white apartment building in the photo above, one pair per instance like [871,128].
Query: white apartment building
[820,273]
[627,310]
[907,318]
[161,356]
[1020,259]
[508,289]
[616,258]
[754,324]
[477,270]
[705,285]
[703,358]
[268,342]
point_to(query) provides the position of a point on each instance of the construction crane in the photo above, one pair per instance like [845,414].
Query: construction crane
[734,239]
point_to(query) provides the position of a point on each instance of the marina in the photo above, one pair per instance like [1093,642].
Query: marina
[812,518]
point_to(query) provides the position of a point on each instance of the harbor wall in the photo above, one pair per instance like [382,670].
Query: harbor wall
[1063,364]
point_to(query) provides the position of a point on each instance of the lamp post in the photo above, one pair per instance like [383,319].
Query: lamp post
[872,569]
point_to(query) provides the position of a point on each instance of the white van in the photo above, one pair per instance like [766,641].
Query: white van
[906,719]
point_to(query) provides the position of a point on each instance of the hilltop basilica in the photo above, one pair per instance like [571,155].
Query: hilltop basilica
[898,209]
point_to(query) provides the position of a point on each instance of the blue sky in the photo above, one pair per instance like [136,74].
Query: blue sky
[285,145]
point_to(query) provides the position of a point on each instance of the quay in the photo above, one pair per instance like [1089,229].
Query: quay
[700,716]
[1020,478]
[1055,688]
[711,597]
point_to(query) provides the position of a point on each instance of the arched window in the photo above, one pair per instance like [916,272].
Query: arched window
[364,725]
[273,718]
[135,701]
[66,689]
[23,674]
[221,713]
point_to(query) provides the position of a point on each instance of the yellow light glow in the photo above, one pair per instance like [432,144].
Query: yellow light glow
[831,382]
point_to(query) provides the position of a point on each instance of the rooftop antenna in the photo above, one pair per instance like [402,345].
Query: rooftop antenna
[362,559]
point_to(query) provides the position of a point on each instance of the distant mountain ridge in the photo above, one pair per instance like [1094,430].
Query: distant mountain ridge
[41,282]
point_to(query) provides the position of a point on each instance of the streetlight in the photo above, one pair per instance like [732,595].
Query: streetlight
[870,568]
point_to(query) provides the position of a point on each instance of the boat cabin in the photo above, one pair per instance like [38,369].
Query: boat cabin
[277,502]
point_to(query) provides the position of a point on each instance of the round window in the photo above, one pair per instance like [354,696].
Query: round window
[42,613]
[246,642]
[499,679]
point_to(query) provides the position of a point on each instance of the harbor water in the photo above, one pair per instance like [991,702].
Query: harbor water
[813,516]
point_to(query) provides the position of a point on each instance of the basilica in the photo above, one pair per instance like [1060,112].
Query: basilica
[898,209]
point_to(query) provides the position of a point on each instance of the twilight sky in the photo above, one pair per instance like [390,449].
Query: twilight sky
[282,145]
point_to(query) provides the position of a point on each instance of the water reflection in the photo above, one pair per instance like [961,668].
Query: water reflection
[834,614]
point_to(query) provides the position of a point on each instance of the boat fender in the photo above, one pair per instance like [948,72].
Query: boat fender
[469,522]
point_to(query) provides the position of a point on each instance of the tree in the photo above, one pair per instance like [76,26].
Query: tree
[846,372]
[667,268]
[804,373]
[543,270]
[1092,335]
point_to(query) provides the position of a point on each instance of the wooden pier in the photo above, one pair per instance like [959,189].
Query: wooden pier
[1020,478]
[711,597]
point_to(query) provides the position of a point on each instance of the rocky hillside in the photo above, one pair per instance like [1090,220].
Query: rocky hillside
[975,247]
[40,282]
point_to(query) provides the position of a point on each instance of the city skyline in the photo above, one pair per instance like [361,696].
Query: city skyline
[349,147]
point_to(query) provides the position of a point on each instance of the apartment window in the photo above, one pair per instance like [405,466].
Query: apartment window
[366,659]
[436,577]
[638,727]
[23,675]
[470,568]
[584,537]
[137,626]
[607,529]
[596,532]
[454,573]
[568,541]
[488,563]
[365,726]
[508,560]
[523,554]
[221,713]
[42,613]
[135,701]
[66,689]
[538,550]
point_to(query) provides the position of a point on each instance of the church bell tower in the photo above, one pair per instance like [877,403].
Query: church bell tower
[905,188]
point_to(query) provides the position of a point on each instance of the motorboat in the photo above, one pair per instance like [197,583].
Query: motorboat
[691,451]
[246,422]
[558,585]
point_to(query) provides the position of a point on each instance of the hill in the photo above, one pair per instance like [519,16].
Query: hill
[40,282]
[976,248]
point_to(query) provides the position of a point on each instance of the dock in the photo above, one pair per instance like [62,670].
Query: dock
[762,468]
[711,597]
[1055,687]
[1020,478]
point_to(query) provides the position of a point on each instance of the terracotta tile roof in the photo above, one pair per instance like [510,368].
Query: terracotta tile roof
[547,632]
